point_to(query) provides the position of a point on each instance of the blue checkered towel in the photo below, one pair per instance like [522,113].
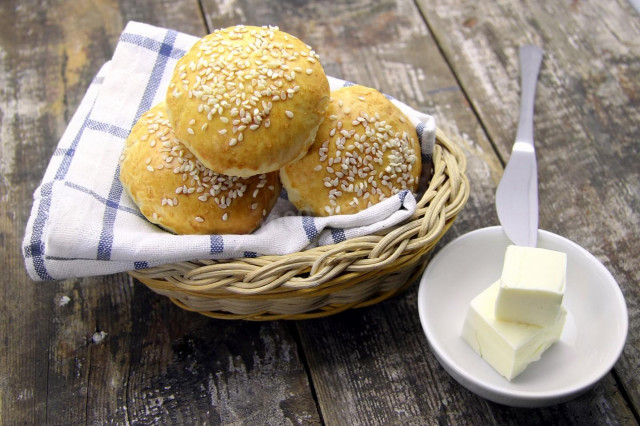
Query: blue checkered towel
[83,224]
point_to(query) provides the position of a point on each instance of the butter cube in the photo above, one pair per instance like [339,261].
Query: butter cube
[532,285]
[509,347]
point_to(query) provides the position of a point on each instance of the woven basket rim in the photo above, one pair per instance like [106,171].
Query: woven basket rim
[322,271]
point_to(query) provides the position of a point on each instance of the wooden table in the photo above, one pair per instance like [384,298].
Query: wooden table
[108,350]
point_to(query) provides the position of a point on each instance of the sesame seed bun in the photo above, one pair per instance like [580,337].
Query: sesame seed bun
[248,100]
[177,192]
[365,151]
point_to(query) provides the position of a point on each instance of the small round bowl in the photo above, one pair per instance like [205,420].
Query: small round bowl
[593,337]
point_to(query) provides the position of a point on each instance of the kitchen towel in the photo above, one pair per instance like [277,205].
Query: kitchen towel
[82,223]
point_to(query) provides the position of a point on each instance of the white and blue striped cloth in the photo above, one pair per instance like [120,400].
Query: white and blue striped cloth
[83,224]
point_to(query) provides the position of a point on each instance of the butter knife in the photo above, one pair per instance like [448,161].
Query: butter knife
[517,194]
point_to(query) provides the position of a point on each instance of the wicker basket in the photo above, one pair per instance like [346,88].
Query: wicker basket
[324,280]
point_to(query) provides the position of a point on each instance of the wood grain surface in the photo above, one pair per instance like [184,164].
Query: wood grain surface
[586,121]
[107,350]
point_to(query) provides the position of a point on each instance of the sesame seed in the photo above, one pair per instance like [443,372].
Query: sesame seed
[225,217]
[199,219]
[289,114]
[190,131]
[150,168]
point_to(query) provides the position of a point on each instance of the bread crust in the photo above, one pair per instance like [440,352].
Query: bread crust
[366,150]
[248,100]
[174,190]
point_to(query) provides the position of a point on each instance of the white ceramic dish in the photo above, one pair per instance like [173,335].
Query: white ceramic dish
[592,340]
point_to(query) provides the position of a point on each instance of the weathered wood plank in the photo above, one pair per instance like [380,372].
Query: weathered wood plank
[587,115]
[184,16]
[47,61]
[107,349]
[181,368]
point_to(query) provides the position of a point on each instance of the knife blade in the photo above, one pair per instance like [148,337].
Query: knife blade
[517,193]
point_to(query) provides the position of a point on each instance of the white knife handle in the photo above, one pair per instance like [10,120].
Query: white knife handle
[530,60]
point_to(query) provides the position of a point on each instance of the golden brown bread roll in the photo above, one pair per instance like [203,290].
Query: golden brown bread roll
[174,190]
[248,100]
[365,151]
